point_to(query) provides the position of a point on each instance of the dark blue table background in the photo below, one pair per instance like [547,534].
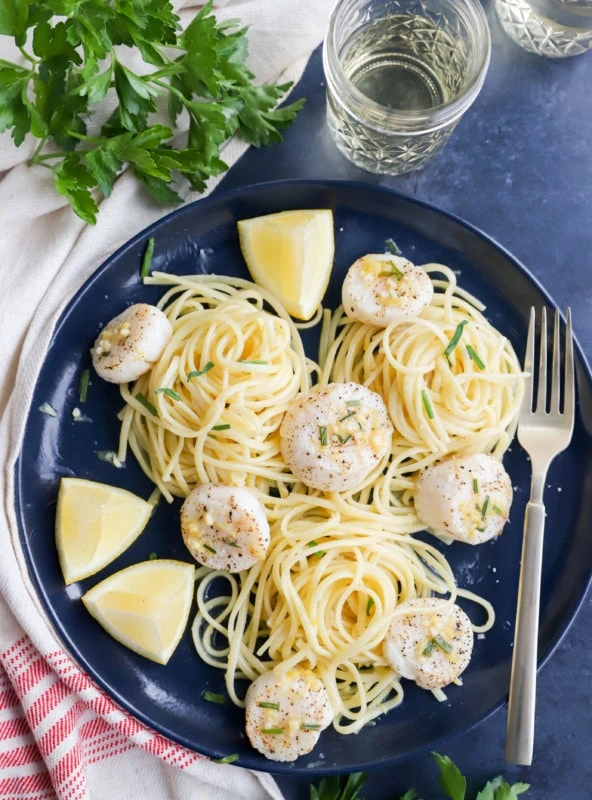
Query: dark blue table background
[519,166]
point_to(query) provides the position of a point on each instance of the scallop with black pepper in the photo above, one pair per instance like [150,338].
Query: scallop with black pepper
[285,714]
[224,527]
[381,288]
[429,641]
[333,438]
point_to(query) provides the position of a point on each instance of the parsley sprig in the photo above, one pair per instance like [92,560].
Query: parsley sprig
[71,65]
[450,780]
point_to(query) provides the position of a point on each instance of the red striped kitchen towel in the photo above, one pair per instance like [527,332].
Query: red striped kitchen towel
[57,730]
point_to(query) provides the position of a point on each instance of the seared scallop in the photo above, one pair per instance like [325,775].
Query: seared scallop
[333,438]
[224,527]
[128,346]
[381,288]
[429,641]
[465,498]
[286,715]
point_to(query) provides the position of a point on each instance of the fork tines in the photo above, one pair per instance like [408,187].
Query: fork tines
[542,406]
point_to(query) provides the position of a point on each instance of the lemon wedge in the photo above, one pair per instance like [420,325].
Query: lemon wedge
[291,255]
[145,606]
[95,523]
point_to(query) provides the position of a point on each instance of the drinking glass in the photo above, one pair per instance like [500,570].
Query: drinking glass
[400,74]
[552,28]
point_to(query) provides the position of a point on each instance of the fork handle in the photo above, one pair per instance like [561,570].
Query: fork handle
[520,730]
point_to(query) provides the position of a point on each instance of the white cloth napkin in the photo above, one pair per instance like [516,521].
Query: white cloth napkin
[59,735]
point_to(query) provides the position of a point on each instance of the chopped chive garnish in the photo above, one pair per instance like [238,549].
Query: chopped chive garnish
[273,731]
[152,557]
[309,727]
[147,260]
[323,435]
[48,409]
[394,272]
[427,404]
[227,759]
[221,427]
[269,705]
[169,393]
[212,697]
[84,381]
[242,361]
[475,485]
[345,439]
[475,357]
[449,361]
[481,530]
[427,651]
[231,543]
[353,402]
[484,509]
[347,416]
[197,372]
[455,338]
[442,644]
[497,509]
[369,604]
[393,247]
[211,549]
[320,553]
[147,404]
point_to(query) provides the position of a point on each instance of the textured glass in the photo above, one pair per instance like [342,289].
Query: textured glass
[400,74]
[555,30]
[375,151]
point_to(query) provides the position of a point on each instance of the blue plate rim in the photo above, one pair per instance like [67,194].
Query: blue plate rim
[222,197]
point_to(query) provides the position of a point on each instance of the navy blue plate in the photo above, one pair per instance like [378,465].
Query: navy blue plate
[202,237]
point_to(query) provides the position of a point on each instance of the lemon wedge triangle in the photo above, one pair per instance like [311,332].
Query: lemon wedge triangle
[95,523]
[291,255]
[145,606]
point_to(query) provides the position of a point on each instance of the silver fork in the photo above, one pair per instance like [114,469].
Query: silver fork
[543,434]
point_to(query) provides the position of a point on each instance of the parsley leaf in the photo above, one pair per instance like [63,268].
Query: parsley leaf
[13,110]
[74,181]
[498,789]
[13,19]
[336,788]
[259,123]
[73,65]
[451,781]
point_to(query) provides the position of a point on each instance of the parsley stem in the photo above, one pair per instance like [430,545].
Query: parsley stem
[170,89]
[27,55]
[37,158]
[37,150]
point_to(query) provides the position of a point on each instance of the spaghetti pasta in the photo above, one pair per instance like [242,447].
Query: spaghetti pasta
[340,565]
[441,403]
[323,599]
[219,389]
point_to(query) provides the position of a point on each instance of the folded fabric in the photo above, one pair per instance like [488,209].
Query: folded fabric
[59,734]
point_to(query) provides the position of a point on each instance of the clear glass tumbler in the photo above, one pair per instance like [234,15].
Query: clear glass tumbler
[552,28]
[400,74]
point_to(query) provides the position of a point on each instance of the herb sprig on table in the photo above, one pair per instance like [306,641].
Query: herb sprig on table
[72,50]
[450,780]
